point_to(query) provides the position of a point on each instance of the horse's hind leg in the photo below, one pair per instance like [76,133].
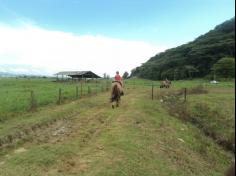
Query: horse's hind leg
[113,105]
[118,103]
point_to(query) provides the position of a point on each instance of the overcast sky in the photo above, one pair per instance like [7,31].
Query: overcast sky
[47,36]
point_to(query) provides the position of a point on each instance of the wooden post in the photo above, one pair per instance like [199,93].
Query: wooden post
[32,101]
[89,90]
[77,92]
[152,90]
[59,96]
[96,91]
[107,88]
[185,94]
[157,93]
[31,95]
[81,88]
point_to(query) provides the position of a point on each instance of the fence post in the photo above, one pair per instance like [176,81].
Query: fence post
[152,90]
[157,92]
[81,88]
[185,94]
[77,92]
[33,104]
[96,91]
[89,90]
[59,96]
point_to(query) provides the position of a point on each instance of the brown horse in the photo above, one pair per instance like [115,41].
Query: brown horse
[165,84]
[115,97]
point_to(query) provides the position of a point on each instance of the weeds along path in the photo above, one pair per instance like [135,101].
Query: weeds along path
[138,138]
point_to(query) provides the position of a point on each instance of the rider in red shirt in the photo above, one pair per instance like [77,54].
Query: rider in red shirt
[117,77]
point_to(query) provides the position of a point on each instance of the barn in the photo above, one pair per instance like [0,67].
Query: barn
[76,75]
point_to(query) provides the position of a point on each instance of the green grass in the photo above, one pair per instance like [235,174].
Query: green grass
[138,138]
[209,107]
[216,114]
[16,93]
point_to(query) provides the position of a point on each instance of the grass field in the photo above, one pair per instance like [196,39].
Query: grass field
[15,94]
[143,137]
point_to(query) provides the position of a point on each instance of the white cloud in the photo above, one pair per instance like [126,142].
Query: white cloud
[57,51]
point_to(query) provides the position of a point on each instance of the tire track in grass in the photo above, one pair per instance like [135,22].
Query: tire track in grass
[89,127]
[92,149]
[84,126]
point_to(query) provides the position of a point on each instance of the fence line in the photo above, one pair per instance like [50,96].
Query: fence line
[31,99]
[160,89]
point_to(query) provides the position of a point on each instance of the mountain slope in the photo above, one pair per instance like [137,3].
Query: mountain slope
[193,59]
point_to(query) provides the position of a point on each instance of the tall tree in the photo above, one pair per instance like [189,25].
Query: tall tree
[125,75]
[225,67]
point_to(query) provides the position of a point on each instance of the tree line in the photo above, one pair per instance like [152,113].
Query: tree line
[211,53]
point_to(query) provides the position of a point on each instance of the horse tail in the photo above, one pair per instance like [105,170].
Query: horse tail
[115,92]
[115,89]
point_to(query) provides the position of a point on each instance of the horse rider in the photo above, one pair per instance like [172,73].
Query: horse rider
[118,81]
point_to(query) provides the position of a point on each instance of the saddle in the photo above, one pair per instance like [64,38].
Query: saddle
[117,82]
[122,93]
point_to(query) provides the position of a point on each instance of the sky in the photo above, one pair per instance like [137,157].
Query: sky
[48,36]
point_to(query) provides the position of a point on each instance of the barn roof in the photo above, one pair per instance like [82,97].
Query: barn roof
[78,74]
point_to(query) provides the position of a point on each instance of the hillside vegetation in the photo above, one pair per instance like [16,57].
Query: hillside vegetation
[194,59]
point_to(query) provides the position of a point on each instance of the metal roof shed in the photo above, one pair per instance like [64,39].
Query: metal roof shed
[78,74]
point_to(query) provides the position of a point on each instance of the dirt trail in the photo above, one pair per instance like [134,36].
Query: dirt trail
[88,131]
[85,127]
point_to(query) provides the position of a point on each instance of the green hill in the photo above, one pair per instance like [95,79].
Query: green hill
[194,59]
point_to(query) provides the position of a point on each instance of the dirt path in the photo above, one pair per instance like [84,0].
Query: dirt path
[87,130]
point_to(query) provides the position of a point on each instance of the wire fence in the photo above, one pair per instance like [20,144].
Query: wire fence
[15,100]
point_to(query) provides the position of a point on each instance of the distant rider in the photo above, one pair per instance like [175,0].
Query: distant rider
[118,79]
